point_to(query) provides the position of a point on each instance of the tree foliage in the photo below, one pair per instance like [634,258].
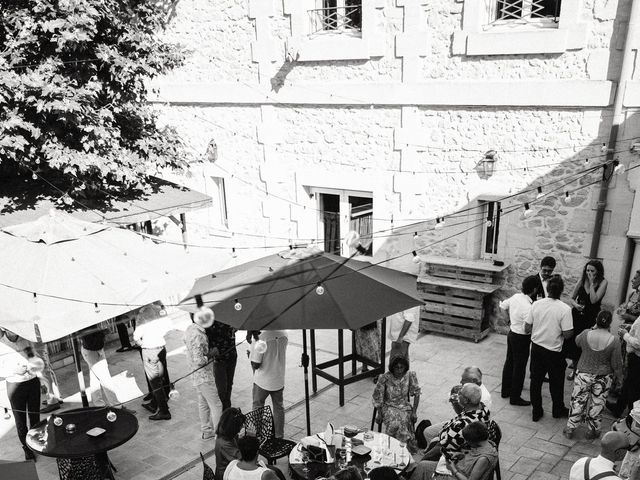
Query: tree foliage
[73,95]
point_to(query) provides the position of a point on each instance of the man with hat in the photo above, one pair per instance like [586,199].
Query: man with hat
[613,447]
[200,363]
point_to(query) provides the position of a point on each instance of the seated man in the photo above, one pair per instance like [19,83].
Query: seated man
[450,440]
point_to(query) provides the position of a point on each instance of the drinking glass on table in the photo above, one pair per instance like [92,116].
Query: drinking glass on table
[305,460]
[366,468]
[403,444]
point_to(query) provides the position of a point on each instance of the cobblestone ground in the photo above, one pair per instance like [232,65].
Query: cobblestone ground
[169,449]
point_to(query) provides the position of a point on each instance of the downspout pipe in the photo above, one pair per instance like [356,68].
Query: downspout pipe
[626,72]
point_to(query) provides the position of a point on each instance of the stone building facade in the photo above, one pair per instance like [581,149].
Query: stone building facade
[383,110]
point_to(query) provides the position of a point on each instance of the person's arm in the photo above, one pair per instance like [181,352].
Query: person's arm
[378,398]
[403,331]
[566,324]
[478,472]
[574,295]
[197,352]
[528,322]
[414,391]
[567,334]
[616,362]
[630,339]
[596,294]
[269,475]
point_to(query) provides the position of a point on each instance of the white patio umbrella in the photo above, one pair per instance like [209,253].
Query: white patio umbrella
[59,274]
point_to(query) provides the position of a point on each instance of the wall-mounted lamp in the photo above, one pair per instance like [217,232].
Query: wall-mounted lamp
[488,163]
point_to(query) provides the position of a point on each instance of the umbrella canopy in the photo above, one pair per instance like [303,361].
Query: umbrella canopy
[59,274]
[304,289]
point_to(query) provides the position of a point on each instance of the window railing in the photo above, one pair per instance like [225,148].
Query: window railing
[336,19]
[526,11]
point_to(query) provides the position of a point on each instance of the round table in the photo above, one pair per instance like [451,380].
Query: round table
[385,451]
[78,454]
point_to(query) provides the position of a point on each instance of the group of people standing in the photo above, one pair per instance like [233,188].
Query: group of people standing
[549,332]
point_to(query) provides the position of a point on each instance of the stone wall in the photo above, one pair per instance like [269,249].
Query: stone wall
[418,160]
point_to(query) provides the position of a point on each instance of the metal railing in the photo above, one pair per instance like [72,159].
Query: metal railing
[336,19]
[526,11]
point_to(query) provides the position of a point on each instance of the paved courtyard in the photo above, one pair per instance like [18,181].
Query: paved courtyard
[165,450]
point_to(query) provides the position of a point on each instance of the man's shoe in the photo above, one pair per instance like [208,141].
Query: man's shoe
[147,398]
[123,349]
[520,402]
[207,436]
[160,416]
[564,413]
[535,416]
[150,406]
[505,395]
[568,432]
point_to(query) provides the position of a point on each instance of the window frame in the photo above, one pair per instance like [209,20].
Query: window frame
[218,184]
[490,209]
[481,35]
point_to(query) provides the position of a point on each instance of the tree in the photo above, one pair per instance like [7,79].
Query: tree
[73,109]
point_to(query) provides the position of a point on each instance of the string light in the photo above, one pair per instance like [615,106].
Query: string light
[96,307]
[416,258]
[489,222]
[567,197]
[618,168]
[603,148]
[35,297]
[527,211]
[439,223]
[415,236]
[237,305]
[320,289]
[233,253]
[34,176]
[540,194]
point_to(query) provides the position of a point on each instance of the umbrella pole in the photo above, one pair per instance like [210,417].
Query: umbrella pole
[305,365]
[76,359]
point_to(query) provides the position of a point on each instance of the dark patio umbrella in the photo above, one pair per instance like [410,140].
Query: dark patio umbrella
[304,289]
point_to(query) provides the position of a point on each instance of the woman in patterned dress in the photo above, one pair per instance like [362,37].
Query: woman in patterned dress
[391,398]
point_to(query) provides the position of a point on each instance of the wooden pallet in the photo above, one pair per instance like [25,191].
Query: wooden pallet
[454,295]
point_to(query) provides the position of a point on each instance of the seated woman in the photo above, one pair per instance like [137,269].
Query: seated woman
[248,467]
[391,399]
[477,460]
[226,448]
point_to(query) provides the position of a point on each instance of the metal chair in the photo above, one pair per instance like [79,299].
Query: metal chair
[373,420]
[208,473]
[495,435]
[260,422]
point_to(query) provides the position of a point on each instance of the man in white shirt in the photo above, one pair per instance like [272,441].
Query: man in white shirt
[268,373]
[613,446]
[403,331]
[518,341]
[549,323]
[151,327]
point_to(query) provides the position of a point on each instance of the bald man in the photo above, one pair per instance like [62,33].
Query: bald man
[613,447]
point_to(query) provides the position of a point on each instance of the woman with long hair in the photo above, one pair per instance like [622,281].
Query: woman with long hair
[586,299]
[599,362]
[226,448]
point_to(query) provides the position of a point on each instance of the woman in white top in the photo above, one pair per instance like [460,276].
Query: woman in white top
[19,366]
[248,467]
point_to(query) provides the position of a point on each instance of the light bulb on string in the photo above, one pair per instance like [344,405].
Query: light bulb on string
[439,223]
[415,236]
[34,176]
[540,194]
[416,258]
[96,307]
[237,305]
[567,197]
[603,148]
[35,297]
[320,289]
[527,210]
[618,168]
[233,253]
[489,222]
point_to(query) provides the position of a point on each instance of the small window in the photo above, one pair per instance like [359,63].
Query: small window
[337,16]
[491,229]
[219,208]
[525,11]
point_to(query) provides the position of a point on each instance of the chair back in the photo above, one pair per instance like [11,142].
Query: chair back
[495,435]
[208,473]
[259,422]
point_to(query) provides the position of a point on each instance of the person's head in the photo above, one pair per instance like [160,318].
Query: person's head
[555,287]
[547,266]
[604,318]
[204,317]
[614,445]
[471,375]
[398,366]
[470,396]
[383,473]
[349,473]
[230,423]
[530,285]
[248,446]
[635,281]
[475,433]
[595,268]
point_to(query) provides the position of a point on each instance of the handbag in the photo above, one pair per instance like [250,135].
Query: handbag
[316,454]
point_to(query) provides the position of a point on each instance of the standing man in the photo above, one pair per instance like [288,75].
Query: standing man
[199,358]
[630,310]
[403,331]
[149,335]
[631,384]
[518,341]
[268,373]
[613,447]
[100,383]
[549,323]
[222,342]
[547,266]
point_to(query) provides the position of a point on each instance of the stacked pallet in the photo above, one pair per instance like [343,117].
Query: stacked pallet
[455,292]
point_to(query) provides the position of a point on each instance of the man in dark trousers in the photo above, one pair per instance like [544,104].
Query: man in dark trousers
[518,341]
[222,342]
[549,323]
[547,266]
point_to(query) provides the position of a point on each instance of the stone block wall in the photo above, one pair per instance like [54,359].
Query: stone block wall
[409,124]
